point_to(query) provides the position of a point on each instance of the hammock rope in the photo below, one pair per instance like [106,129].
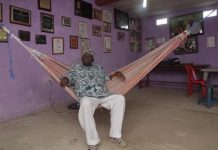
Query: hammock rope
[133,72]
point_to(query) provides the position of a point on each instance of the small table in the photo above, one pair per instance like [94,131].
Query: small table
[207,71]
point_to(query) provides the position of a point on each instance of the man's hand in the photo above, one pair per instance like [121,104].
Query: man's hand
[64,81]
[119,75]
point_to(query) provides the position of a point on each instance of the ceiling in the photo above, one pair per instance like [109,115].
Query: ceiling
[155,7]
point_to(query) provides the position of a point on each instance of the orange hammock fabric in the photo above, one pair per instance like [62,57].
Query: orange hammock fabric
[133,72]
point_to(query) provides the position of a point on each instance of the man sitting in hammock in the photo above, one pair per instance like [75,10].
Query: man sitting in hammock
[88,81]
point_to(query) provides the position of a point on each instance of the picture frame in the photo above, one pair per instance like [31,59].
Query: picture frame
[107,44]
[83,9]
[107,27]
[132,46]
[1,15]
[24,35]
[96,30]
[40,39]
[83,29]
[57,45]
[73,42]
[121,36]
[44,5]
[132,23]
[150,44]
[66,21]
[20,16]
[121,19]
[132,35]
[211,41]
[190,46]
[107,16]
[47,22]
[185,22]
[3,35]
[84,44]
[97,14]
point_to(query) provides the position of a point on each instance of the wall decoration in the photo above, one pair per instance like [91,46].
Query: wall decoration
[132,47]
[47,23]
[160,40]
[138,37]
[190,46]
[83,9]
[132,23]
[150,43]
[132,35]
[121,19]
[65,21]
[40,39]
[3,35]
[73,42]
[83,29]
[97,14]
[138,47]
[107,16]
[107,27]
[20,16]
[211,41]
[24,35]
[84,45]
[96,30]
[180,23]
[57,45]
[121,36]
[107,44]
[44,5]
[1,16]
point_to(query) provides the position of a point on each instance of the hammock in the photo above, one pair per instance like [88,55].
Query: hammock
[133,72]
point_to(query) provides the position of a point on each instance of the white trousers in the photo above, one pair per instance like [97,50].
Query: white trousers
[115,103]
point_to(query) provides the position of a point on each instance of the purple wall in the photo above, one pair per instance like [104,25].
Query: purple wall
[29,92]
[204,56]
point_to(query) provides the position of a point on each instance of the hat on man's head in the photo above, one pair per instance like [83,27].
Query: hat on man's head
[89,50]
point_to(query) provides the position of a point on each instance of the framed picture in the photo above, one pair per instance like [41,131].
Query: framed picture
[84,44]
[107,44]
[83,9]
[57,45]
[107,16]
[20,16]
[47,23]
[186,22]
[138,47]
[66,21]
[211,41]
[121,36]
[132,23]
[97,14]
[138,37]
[3,35]
[73,42]
[132,35]
[190,46]
[132,47]
[121,19]
[83,29]
[107,27]
[1,16]
[150,43]
[96,30]
[24,35]
[40,39]
[44,5]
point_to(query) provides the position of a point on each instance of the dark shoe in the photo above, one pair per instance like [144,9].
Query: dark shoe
[92,147]
[74,106]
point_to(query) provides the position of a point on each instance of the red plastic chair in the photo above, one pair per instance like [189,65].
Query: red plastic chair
[192,79]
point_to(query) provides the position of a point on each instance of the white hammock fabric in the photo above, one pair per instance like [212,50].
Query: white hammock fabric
[133,72]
